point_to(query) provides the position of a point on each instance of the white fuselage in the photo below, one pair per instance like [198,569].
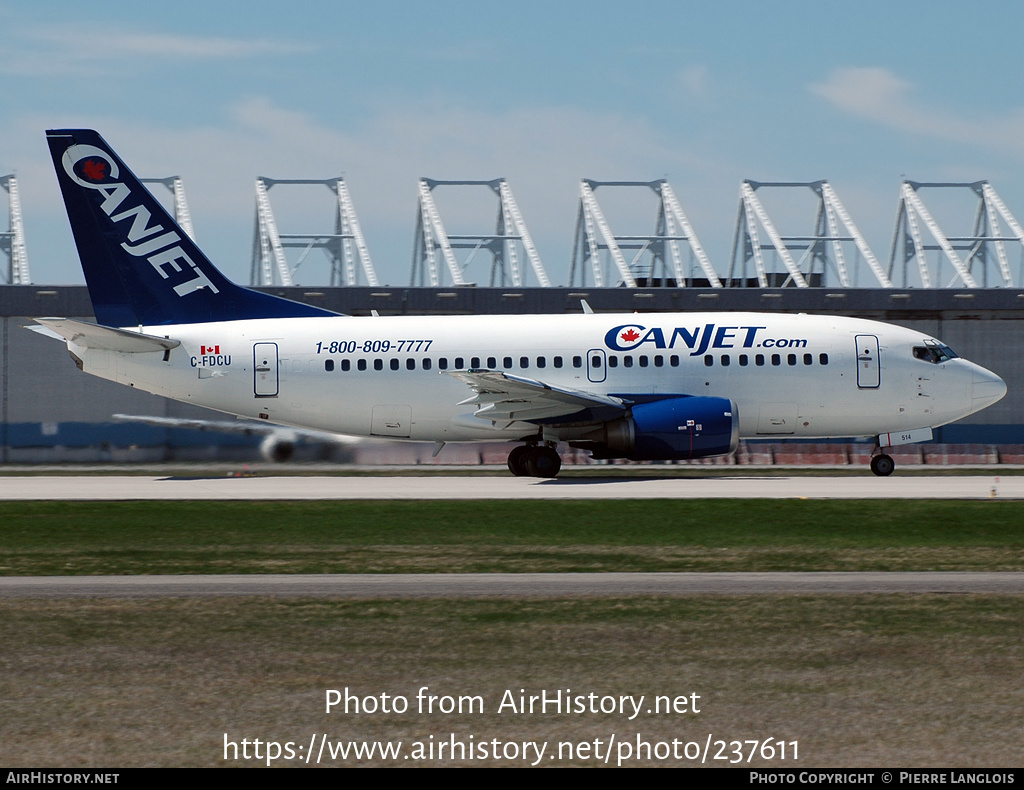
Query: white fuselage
[798,376]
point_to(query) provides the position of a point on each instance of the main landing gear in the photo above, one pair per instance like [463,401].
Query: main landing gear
[530,460]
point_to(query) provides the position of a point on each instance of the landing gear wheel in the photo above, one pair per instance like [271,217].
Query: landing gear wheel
[517,460]
[882,465]
[543,462]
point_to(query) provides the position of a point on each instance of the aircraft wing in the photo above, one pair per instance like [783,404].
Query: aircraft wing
[244,427]
[503,397]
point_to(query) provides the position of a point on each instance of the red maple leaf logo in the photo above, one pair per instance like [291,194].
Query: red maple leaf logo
[630,336]
[94,169]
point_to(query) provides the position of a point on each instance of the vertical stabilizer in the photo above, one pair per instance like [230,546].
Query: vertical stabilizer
[140,266]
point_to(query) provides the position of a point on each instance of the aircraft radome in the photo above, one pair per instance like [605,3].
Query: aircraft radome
[655,386]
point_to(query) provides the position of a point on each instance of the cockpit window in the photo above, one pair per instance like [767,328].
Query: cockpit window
[934,352]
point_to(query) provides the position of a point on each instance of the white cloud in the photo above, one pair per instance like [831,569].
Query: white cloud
[879,96]
[90,48]
[694,80]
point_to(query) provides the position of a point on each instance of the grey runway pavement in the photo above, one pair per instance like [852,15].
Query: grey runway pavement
[507,585]
[435,486]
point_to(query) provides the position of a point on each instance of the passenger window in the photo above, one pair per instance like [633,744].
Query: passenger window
[410,364]
[577,362]
[492,362]
[613,362]
[595,361]
[345,364]
[474,362]
[791,359]
[643,360]
[395,364]
[328,365]
[659,361]
[558,362]
[627,362]
[808,359]
[674,360]
[541,362]
[823,359]
[426,363]
[378,364]
[743,360]
[776,360]
[361,364]
[458,363]
[725,360]
[709,360]
[508,362]
[442,363]
[759,360]
[524,362]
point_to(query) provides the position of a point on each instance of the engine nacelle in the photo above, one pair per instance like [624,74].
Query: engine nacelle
[669,430]
[277,449]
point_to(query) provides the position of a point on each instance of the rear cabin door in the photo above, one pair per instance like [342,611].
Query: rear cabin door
[264,359]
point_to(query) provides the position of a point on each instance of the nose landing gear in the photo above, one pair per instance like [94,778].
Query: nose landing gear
[882,465]
[533,461]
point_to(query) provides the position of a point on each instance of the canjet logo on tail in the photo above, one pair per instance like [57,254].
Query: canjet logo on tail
[90,167]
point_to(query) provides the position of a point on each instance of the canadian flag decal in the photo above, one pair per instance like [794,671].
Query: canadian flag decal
[209,349]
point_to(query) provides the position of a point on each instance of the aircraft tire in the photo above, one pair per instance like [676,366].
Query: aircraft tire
[543,462]
[517,460]
[882,465]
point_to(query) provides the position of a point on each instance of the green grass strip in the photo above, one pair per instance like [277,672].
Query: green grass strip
[70,538]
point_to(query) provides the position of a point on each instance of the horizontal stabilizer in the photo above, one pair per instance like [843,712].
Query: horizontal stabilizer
[90,335]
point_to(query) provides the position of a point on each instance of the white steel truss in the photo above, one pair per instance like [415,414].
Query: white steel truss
[179,205]
[13,242]
[503,244]
[820,252]
[345,248]
[594,237]
[986,245]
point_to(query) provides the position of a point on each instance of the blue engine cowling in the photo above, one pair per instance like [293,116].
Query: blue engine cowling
[673,429]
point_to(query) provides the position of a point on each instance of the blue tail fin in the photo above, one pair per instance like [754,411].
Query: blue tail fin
[141,268]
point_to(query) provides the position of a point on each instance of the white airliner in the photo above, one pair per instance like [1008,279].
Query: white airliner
[655,386]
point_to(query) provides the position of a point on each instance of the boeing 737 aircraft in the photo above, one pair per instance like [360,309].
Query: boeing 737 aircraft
[656,386]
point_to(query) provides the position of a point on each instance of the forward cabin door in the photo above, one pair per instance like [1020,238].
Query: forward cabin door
[868,372]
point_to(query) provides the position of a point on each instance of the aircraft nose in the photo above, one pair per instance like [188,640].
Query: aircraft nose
[986,389]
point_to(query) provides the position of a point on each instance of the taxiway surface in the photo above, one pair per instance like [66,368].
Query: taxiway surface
[102,487]
[507,585]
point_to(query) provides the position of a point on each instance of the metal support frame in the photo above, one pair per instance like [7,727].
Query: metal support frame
[821,252]
[594,237]
[506,264]
[180,205]
[13,241]
[345,248]
[986,244]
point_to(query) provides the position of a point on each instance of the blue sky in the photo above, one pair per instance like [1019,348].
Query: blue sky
[542,93]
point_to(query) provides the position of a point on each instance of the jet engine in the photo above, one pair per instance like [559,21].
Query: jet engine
[670,429]
[278,448]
